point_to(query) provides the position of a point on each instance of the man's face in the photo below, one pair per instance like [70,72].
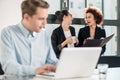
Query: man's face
[38,20]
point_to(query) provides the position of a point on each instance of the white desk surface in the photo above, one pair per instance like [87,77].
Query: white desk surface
[113,74]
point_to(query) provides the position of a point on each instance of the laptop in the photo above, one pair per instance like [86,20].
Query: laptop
[76,63]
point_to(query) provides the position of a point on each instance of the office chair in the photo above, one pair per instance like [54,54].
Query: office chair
[1,71]
[113,61]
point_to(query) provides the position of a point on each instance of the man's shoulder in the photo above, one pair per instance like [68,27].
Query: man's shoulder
[9,29]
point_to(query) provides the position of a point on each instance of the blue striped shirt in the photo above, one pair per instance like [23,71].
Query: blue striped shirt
[21,51]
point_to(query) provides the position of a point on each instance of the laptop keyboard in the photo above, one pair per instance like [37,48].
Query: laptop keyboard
[51,74]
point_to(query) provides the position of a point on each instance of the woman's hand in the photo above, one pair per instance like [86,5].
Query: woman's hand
[69,40]
[77,41]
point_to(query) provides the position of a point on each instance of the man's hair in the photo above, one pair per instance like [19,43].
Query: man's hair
[30,6]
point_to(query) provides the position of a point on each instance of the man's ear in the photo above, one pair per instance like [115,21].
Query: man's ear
[26,16]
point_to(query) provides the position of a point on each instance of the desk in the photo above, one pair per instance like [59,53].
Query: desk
[113,74]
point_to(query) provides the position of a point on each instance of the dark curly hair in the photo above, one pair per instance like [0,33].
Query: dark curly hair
[96,13]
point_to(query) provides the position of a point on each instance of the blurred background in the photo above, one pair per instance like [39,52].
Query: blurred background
[10,13]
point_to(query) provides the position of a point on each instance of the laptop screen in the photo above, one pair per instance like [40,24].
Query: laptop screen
[77,62]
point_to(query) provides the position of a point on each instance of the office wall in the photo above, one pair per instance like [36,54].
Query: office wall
[54,6]
[10,12]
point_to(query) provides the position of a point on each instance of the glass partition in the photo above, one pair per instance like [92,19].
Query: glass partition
[110,9]
[54,6]
[76,7]
[111,46]
[97,3]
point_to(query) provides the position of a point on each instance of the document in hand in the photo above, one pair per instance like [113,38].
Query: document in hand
[97,42]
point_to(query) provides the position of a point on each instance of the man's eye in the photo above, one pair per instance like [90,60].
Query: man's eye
[40,19]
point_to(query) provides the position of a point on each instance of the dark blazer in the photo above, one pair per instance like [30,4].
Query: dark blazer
[58,37]
[85,33]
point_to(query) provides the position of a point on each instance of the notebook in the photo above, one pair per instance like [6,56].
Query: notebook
[97,42]
[76,63]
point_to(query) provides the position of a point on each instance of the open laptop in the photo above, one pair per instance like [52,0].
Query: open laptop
[76,63]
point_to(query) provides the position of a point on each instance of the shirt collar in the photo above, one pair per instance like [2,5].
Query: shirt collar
[26,32]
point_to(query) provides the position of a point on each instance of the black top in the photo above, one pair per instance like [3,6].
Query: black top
[84,33]
[58,37]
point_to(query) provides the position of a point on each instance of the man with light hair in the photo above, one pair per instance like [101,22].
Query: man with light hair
[25,48]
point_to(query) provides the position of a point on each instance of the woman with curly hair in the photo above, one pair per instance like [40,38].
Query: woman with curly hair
[93,18]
